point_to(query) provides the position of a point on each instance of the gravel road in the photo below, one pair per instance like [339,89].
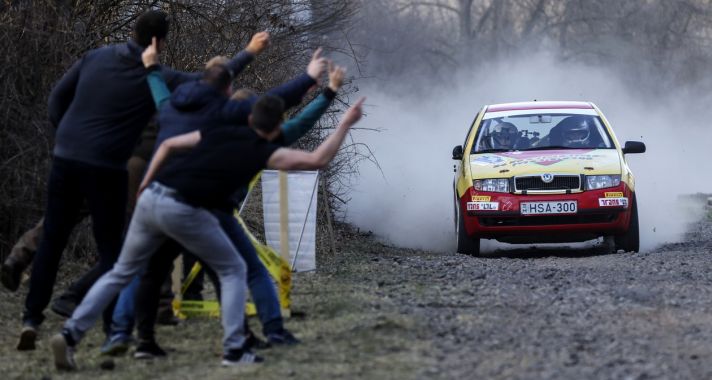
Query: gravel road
[556,313]
[376,312]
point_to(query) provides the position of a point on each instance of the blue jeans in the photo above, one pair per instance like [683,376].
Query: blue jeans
[159,215]
[259,281]
[122,321]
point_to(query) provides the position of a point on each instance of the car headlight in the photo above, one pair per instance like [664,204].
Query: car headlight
[594,182]
[499,185]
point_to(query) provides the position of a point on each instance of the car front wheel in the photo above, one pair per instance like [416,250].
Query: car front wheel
[630,240]
[466,245]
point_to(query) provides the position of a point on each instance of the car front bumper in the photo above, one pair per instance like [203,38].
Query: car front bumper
[594,218]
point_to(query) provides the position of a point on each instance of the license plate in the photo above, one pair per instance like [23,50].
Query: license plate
[544,208]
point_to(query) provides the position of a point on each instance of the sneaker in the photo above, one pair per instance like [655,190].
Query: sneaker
[240,357]
[63,307]
[28,336]
[117,345]
[253,342]
[282,337]
[63,353]
[11,275]
[149,349]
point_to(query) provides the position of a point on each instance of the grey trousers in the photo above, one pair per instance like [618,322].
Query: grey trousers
[159,215]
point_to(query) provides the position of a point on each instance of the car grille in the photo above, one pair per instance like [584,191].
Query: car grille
[560,182]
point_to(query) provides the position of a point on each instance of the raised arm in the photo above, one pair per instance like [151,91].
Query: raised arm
[237,64]
[156,83]
[63,93]
[165,150]
[291,159]
[292,92]
[299,125]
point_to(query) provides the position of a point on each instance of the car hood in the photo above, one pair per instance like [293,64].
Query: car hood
[565,161]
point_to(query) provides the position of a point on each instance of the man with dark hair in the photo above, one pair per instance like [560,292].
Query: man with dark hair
[259,281]
[221,159]
[266,113]
[99,108]
[151,24]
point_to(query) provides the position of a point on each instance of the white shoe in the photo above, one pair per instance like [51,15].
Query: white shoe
[240,357]
[63,353]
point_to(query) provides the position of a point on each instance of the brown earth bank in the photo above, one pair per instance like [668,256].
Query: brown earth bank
[373,311]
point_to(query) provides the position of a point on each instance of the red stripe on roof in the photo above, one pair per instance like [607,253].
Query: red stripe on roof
[538,106]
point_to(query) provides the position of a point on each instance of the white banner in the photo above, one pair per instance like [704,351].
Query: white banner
[302,201]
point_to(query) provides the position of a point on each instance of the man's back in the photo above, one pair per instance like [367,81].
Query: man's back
[111,104]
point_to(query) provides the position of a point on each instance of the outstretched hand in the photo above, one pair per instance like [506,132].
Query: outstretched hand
[258,43]
[150,54]
[354,113]
[317,65]
[336,76]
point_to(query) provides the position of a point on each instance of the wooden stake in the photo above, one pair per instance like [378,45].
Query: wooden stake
[283,216]
[177,277]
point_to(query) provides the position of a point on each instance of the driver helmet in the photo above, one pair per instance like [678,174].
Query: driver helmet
[576,133]
[504,135]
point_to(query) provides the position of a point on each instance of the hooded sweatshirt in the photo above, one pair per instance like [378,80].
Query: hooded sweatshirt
[198,105]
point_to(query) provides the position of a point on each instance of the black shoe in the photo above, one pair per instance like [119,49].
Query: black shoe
[11,275]
[28,336]
[148,349]
[240,357]
[254,343]
[282,337]
[63,307]
[166,317]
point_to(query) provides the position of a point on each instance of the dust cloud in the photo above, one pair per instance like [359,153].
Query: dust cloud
[408,201]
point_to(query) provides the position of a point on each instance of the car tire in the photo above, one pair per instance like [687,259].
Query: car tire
[630,240]
[466,245]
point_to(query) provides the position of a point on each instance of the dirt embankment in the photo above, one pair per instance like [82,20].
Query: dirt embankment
[375,312]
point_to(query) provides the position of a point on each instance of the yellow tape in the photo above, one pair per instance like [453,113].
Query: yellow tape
[277,267]
[614,194]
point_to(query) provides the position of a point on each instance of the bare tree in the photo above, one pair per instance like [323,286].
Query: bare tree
[41,38]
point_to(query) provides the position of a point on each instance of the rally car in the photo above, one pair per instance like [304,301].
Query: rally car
[544,172]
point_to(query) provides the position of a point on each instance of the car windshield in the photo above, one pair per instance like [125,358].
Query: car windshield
[503,131]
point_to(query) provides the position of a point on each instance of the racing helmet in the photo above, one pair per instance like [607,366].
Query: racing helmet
[576,132]
[504,135]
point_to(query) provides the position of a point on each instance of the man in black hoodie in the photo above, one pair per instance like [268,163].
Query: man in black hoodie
[99,108]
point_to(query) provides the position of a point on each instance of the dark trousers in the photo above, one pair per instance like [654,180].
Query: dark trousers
[71,183]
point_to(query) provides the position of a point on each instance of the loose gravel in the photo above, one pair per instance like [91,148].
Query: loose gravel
[373,311]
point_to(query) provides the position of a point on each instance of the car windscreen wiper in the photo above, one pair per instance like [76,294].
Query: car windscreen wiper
[497,150]
[551,147]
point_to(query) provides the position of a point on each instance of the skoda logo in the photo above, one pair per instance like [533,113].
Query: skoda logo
[547,178]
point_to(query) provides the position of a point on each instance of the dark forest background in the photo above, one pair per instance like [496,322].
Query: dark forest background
[654,45]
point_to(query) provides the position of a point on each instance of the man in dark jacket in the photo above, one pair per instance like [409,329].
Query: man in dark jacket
[99,108]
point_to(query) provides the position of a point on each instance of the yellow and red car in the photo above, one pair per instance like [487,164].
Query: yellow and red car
[544,172]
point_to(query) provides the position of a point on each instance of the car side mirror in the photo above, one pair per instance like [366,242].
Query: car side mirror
[634,147]
[457,153]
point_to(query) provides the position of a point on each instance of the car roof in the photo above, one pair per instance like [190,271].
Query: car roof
[539,105]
